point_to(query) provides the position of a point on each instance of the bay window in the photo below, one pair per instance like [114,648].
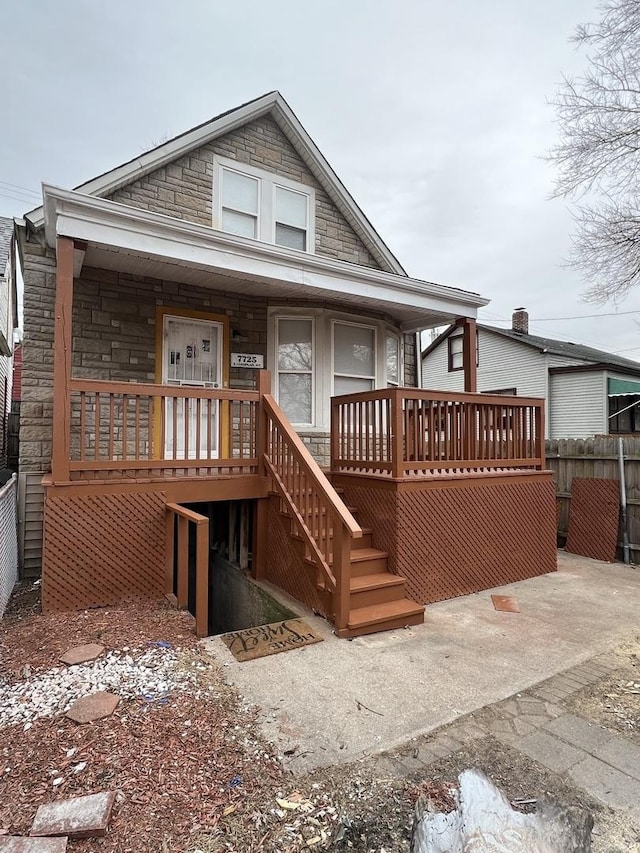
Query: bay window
[317,353]
[295,368]
[354,357]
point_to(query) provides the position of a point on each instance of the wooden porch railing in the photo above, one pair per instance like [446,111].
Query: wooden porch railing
[184,517]
[405,432]
[325,525]
[122,426]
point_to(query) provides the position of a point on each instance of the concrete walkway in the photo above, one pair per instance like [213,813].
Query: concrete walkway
[340,700]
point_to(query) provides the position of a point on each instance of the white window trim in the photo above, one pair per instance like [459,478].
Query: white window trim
[322,382]
[275,372]
[399,339]
[268,181]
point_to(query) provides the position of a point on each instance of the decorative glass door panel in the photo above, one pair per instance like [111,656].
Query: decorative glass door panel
[192,357]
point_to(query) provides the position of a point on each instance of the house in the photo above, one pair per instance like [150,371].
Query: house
[586,391]
[8,324]
[209,325]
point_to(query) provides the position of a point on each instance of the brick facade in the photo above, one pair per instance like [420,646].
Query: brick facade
[184,188]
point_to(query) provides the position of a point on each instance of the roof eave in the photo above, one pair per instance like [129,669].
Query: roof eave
[72,214]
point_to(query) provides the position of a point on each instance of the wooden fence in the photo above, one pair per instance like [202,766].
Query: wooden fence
[597,458]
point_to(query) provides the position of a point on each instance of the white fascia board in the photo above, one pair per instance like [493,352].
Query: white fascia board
[103,222]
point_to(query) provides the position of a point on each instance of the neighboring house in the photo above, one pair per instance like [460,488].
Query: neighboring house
[8,324]
[13,420]
[154,295]
[586,391]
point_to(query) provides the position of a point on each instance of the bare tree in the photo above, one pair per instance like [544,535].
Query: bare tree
[598,155]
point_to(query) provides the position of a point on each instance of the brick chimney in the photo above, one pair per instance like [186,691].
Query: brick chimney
[520,321]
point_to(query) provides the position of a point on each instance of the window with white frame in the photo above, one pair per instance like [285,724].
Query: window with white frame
[240,204]
[294,353]
[354,358]
[392,356]
[253,203]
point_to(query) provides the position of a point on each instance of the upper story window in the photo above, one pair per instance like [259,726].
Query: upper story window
[254,203]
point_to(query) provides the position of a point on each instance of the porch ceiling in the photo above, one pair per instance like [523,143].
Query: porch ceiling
[148,244]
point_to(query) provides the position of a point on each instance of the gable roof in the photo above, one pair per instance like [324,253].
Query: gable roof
[274,105]
[6,233]
[565,349]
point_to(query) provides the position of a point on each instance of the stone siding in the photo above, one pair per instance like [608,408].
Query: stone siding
[184,189]
[36,410]
[114,324]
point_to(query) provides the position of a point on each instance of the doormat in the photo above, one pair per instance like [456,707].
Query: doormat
[250,643]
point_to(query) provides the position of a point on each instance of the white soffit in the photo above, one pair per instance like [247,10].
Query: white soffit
[150,235]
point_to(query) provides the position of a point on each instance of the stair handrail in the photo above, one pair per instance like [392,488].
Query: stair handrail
[345,527]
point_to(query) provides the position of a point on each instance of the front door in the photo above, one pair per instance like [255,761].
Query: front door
[192,357]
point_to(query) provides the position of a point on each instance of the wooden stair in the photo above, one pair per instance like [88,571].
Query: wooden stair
[377,597]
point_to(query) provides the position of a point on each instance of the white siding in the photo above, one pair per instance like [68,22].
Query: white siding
[578,405]
[564,361]
[502,363]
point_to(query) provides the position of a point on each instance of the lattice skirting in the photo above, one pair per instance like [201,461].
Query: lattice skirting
[454,540]
[101,549]
[285,565]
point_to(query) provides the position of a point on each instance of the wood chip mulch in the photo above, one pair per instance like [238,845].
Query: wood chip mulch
[31,638]
[177,767]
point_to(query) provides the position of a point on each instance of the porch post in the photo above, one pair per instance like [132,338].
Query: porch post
[61,441]
[469,355]
[261,526]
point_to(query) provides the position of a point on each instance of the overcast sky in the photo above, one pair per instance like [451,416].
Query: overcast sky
[434,115]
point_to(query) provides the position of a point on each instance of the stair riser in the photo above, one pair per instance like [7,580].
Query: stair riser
[368,567]
[388,625]
[382,595]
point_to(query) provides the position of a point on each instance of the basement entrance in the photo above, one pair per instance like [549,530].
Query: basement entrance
[236,601]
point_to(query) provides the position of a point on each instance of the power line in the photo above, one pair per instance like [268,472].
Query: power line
[20,188]
[582,316]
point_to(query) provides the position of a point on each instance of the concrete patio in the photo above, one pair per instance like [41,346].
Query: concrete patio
[341,700]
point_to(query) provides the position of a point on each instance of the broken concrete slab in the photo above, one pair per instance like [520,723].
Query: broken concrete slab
[82,654]
[79,817]
[94,707]
[18,844]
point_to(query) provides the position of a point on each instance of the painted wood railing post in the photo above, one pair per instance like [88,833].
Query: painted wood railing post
[202,578]
[342,574]
[334,436]
[183,562]
[540,449]
[261,529]
[62,343]
[469,355]
[169,553]
[397,437]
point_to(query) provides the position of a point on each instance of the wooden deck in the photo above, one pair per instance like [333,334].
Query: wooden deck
[127,455]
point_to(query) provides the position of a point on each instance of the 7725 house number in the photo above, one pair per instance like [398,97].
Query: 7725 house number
[246,359]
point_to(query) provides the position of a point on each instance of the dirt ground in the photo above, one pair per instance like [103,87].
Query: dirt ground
[615,701]
[191,770]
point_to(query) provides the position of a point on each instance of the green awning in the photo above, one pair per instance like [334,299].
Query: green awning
[623,387]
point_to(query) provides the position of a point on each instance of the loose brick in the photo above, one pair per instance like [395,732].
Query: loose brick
[17,844]
[80,817]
